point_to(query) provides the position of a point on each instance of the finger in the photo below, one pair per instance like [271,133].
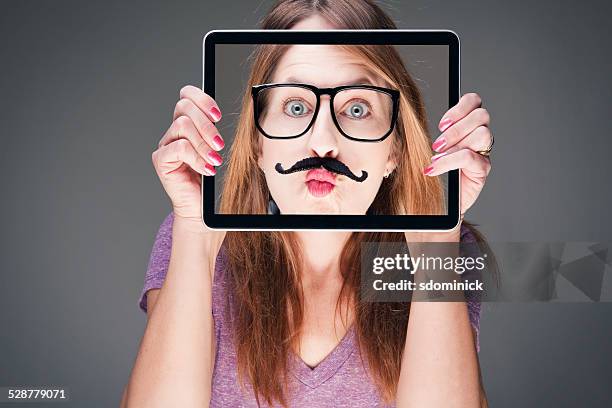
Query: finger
[202,100]
[179,152]
[479,139]
[475,164]
[466,104]
[183,128]
[460,129]
[186,107]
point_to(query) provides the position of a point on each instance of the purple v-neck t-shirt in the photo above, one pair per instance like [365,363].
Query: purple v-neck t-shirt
[340,380]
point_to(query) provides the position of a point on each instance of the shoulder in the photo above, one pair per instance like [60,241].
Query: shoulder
[467,235]
[160,253]
[469,247]
[158,260]
[220,293]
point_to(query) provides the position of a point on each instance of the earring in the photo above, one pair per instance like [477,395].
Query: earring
[272,207]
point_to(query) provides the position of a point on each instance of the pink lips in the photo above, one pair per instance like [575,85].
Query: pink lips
[320,182]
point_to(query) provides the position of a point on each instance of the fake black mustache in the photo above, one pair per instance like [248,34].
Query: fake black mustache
[328,163]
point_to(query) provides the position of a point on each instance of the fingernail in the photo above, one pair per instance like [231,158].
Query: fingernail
[218,142]
[215,157]
[437,156]
[439,144]
[215,113]
[210,169]
[428,170]
[444,124]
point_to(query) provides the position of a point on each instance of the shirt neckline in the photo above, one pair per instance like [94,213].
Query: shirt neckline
[313,377]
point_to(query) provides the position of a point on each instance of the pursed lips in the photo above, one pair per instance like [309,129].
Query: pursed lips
[320,182]
[322,175]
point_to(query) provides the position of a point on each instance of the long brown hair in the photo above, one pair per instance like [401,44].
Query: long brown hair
[264,267]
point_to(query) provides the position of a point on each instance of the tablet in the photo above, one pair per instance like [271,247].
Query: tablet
[330,129]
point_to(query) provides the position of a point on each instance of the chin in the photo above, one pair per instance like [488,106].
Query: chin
[316,208]
[322,202]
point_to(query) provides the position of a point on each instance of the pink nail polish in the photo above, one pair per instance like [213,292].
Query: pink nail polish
[215,157]
[218,142]
[428,170]
[215,113]
[437,156]
[439,144]
[445,124]
[210,169]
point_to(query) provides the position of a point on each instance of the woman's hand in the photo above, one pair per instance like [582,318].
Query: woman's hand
[465,131]
[188,149]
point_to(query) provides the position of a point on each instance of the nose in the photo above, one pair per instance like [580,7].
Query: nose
[323,138]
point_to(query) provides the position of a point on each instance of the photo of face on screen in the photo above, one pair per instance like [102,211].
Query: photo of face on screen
[318,129]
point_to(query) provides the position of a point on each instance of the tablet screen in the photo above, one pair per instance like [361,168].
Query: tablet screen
[330,130]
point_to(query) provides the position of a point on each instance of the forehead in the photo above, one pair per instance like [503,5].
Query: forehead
[323,66]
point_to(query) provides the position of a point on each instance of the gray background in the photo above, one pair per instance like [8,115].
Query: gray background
[427,65]
[88,89]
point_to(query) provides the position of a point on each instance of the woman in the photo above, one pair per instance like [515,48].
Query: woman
[286,326]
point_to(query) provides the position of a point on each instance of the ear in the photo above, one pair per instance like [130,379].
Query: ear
[391,163]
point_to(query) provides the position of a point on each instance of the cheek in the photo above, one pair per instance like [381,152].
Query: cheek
[286,152]
[372,157]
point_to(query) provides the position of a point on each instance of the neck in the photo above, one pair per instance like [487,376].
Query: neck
[321,251]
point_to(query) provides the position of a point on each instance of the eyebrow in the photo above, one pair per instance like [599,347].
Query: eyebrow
[359,81]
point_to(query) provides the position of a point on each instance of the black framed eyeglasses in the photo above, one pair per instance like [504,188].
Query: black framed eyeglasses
[363,113]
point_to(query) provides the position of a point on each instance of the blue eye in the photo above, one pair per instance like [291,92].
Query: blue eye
[357,110]
[296,108]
